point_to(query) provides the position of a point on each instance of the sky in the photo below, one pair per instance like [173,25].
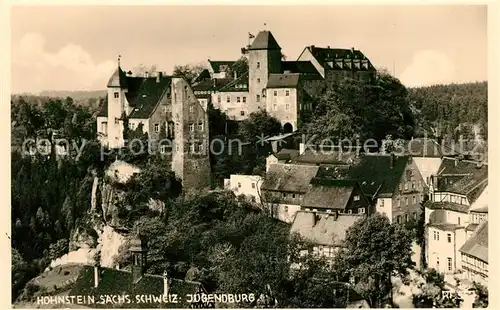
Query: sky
[76,47]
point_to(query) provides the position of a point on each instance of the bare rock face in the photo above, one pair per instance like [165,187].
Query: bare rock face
[82,238]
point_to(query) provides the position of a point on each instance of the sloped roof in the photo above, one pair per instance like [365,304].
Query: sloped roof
[234,84]
[325,230]
[445,226]
[289,178]
[119,282]
[219,66]
[286,154]
[477,245]
[302,67]
[118,79]
[325,157]
[283,80]
[329,193]
[447,206]
[471,227]
[454,166]
[471,185]
[375,175]
[326,55]
[264,41]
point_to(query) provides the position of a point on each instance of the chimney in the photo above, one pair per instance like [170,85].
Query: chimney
[166,286]
[158,77]
[352,49]
[393,159]
[336,215]
[96,275]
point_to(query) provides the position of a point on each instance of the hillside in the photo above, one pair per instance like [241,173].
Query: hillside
[451,109]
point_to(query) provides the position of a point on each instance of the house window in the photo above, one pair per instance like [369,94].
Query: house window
[284,195]
[449,238]
[191,148]
[413,185]
[105,127]
[200,126]
[287,107]
[191,109]
[258,80]
[219,99]
[361,210]
[117,94]
[419,183]
[414,199]
[406,186]
[275,93]
[449,264]
[287,93]
[157,127]
[275,107]
[458,220]
[381,203]
[400,187]
[356,198]
[286,209]
[349,211]
[163,149]
[398,219]
[242,113]
[406,200]
[257,98]
[244,99]
[253,185]
[258,65]
[437,235]
[239,185]
[164,109]
[191,127]
[399,202]
[228,99]
[414,215]
[238,99]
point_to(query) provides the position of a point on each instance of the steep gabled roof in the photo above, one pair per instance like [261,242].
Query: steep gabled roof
[305,68]
[118,79]
[375,175]
[264,41]
[477,245]
[446,205]
[325,229]
[289,178]
[329,193]
[325,157]
[328,57]
[283,80]
[149,95]
[219,66]
[238,84]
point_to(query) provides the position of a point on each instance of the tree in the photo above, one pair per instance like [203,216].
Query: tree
[240,67]
[142,69]
[481,300]
[259,124]
[188,72]
[374,251]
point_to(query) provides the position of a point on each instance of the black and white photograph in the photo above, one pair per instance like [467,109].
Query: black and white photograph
[249,156]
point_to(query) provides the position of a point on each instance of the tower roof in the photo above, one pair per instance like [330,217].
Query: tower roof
[265,41]
[118,79]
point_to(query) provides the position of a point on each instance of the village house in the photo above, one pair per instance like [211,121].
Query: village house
[247,185]
[475,255]
[458,200]
[156,102]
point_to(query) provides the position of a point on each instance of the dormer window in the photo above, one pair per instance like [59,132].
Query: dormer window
[117,94]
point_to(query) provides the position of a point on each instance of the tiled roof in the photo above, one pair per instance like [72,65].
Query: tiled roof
[454,166]
[118,79]
[445,226]
[286,154]
[236,84]
[325,229]
[305,68]
[375,175]
[219,66]
[264,40]
[211,84]
[471,227]
[471,185]
[289,178]
[329,193]
[119,282]
[148,96]
[328,57]
[283,80]
[477,245]
[447,206]
[325,157]
[143,95]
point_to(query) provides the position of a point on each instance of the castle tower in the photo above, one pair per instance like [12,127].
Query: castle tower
[264,57]
[190,159]
[117,105]
[138,248]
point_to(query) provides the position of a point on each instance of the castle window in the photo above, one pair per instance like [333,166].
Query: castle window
[449,238]
[275,93]
[414,199]
[287,93]
[238,99]
[258,80]
[257,98]
[218,99]
[191,127]
[242,113]
[117,95]
[258,65]
[157,127]
[244,99]
[253,185]
[287,107]
[228,99]
[200,126]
